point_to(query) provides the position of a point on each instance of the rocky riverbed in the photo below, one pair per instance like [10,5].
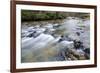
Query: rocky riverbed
[64,40]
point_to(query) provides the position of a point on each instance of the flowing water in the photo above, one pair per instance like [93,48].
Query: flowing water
[45,40]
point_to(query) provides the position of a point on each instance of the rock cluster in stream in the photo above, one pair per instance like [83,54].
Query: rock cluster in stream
[66,38]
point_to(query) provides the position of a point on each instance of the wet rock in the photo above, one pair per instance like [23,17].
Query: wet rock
[56,26]
[78,33]
[87,50]
[74,52]
[87,53]
[73,57]
[31,35]
[82,57]
[27,34]
[78,44]
[82,31]
[78,28]
[87,56]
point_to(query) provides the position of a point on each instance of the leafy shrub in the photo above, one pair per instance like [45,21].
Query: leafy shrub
[38,16]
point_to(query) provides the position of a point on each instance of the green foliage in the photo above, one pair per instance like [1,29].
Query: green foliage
[38,16]
[29,15]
